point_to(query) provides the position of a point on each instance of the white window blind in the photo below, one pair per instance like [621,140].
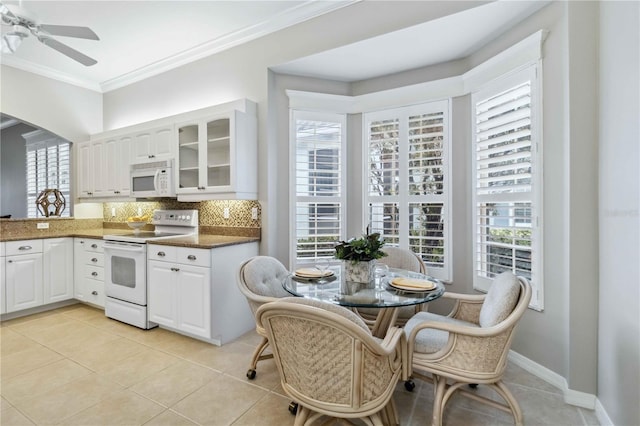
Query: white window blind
[507,181]
[318,189]
[48,167]
[408,187]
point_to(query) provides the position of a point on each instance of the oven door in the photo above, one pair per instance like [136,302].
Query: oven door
[126,271]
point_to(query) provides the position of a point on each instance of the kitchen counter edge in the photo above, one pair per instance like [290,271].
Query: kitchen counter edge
[203,241]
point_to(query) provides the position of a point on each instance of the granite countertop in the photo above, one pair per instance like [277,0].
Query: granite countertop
[204,241]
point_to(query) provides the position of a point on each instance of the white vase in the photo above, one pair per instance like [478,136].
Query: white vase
[359,271]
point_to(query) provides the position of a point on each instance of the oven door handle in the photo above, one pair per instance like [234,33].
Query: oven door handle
[136,248]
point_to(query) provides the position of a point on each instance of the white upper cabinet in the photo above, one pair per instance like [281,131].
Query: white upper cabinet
[116,164]
[217,155]
[103,168]
[215,152]
[156,143]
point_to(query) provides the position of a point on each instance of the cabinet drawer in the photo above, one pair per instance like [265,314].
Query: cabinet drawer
[191,256]
[23,247]
[95,259]
[162,253]
[94,246]
[182,255]
[94,292]
[94,272]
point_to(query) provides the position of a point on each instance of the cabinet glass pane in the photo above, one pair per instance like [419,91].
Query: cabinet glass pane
[218,140]
[188,156]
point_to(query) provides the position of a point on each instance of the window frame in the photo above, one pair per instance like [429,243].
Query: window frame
[404,199]
[294,116]
[528,72]
[35,147]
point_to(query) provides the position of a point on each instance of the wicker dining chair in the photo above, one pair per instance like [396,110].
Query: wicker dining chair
[470,345]
[330,364]
[402,259]
[260,280]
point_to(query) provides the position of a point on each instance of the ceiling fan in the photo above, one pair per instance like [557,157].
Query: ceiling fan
[23,25]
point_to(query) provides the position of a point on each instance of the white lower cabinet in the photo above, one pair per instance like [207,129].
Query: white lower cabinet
[57,259]
[194,291]
[88,274]
[180,293]
[24,280]
[38,272]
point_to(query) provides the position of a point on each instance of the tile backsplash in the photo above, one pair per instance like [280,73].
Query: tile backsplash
[211,213]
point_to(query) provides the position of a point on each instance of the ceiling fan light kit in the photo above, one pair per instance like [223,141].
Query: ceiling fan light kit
[24,25]
[11,41]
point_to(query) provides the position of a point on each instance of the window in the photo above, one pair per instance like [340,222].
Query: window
[48,166]
[318,205]
[507,181]
[407,156]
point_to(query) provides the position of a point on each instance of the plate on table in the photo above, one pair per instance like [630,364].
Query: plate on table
[312,273]
[414,285]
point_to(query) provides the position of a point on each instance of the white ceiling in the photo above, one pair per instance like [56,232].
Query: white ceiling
[142,38]
[139,39]
[441,40]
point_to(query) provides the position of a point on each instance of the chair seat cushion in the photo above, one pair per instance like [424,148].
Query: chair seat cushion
[501,299]
[431,340]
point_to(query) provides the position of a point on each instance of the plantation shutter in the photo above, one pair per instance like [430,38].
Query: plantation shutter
[407,182]
[505,182]
[48,167]
[319,184]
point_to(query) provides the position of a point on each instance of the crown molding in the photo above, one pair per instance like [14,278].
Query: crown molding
[44,71]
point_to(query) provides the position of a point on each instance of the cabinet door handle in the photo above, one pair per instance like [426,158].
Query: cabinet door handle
[94,260]
[191,257]
[25,248]
[94,246]
[95,293]
[81,242]
[10,261]
[175,269]
[161,254]
[152,156]
[94,274]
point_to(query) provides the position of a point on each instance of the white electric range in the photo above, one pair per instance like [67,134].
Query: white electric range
[126,264]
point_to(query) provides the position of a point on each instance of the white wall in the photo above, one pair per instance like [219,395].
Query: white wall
[63,109]
[13,173]
[619,166]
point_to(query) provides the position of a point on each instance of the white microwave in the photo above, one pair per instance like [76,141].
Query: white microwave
[152,179]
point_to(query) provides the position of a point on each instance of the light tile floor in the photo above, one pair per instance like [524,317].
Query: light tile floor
[74,366]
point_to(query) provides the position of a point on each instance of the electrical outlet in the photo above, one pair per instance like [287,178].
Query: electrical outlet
[42,225]
[113,212]
[254,213]
[226,213]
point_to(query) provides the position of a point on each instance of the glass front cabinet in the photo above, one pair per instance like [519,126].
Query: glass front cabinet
[217,156]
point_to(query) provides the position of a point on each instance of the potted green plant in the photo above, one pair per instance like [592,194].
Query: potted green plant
[359,255]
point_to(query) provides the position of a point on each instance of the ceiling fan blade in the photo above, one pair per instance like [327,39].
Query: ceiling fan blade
[66,50]
[69,31]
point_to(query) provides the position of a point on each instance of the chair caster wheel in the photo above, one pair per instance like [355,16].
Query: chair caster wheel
[293,408]
[473,385]
[409,385]
[251,374]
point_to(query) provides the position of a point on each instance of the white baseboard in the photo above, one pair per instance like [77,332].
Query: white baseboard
[572,397]
[579,399]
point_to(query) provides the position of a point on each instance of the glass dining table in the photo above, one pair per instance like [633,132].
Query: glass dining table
[381,293]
